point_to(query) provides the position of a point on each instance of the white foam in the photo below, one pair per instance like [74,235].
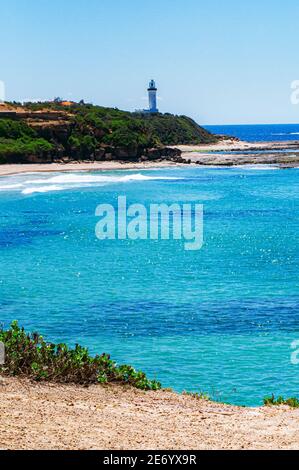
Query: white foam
[87,179]
[285,133]
[42,189]
[257,167]
[10,186]
[65,181]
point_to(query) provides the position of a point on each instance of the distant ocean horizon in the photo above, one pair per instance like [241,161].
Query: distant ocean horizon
[258,132]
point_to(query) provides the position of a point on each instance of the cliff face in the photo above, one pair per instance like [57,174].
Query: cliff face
[47,132]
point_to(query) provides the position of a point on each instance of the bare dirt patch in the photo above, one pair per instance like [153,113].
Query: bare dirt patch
[51,416]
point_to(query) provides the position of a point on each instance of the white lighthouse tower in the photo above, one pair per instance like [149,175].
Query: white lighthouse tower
[152,97]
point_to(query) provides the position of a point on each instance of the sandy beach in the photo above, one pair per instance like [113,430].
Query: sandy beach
[15,169]
[51,416]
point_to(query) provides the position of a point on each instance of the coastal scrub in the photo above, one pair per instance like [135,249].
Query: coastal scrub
[29,355]
[47,132]
[292,402]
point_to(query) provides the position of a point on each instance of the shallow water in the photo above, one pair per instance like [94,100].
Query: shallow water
[219,320]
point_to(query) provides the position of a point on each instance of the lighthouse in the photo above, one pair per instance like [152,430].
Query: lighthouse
[152,100]
[152,97]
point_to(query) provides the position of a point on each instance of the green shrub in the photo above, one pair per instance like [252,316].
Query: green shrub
[29,355]
[121,128]
[10,129]
[272,401]
[24,147]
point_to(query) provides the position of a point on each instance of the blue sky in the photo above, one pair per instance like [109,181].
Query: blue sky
[217,61]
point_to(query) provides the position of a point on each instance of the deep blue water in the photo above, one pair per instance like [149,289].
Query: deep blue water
[259,132]
[219,320]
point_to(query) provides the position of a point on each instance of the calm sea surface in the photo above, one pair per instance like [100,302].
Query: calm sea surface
[259,132]
[219,320]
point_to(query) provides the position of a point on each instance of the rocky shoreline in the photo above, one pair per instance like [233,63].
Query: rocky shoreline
[230,152]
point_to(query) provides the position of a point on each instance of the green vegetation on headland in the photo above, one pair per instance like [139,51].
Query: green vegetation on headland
[29,355]
[46,132]
[18,141]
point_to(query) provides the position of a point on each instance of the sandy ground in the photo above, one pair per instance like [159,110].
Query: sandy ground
[50,416]
[87,166]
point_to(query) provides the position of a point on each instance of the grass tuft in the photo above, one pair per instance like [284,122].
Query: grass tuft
[272,401]
[198,395]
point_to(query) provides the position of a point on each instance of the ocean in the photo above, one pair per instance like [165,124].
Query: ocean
[220,320]
[259,132]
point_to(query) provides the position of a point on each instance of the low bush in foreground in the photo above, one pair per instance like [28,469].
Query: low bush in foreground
[272,401]
[29,355]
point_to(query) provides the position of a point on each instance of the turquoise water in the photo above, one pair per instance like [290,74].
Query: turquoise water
[218,320]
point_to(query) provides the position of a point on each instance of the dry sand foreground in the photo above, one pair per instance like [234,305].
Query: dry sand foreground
[50,416]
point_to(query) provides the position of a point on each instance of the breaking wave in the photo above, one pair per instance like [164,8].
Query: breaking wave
[63,181]
[257,167]
[285,133]
[42,189]
[75,178]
